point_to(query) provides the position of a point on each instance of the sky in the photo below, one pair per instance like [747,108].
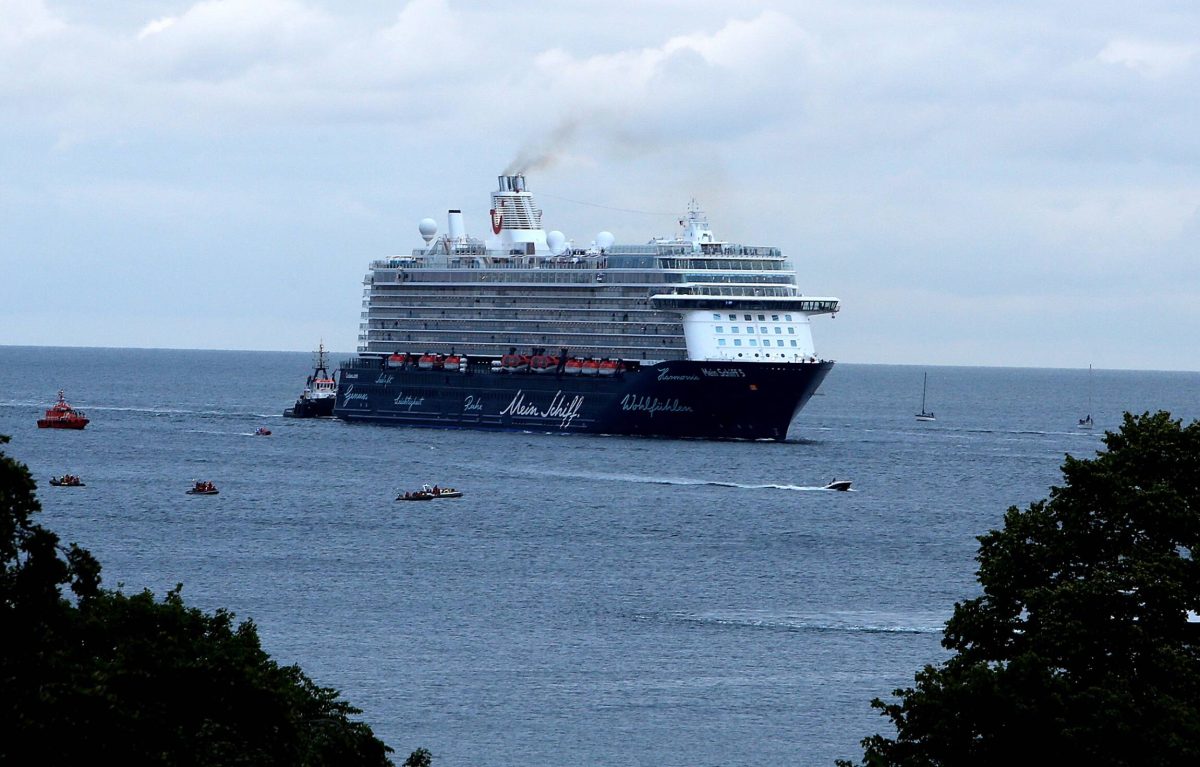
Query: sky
[1003,183]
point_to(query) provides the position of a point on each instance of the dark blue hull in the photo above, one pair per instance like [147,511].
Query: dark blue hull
[691,399]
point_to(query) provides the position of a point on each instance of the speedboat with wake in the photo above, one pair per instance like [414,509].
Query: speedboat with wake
[838,484]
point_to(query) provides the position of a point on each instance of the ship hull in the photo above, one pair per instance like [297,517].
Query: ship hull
[679,399]
[311,408]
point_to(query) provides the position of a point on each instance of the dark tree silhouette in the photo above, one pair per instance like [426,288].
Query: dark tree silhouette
[98,676]
[1080,649]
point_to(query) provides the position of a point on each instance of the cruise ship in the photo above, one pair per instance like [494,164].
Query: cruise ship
[685,337]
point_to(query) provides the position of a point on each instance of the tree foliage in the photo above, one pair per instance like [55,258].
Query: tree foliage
[102,676]
[1080,649]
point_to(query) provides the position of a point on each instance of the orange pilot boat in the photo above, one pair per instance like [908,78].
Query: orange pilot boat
[62,416]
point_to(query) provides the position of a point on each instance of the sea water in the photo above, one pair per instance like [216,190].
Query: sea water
[590,600]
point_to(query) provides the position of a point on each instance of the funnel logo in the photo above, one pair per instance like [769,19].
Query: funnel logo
[497,221]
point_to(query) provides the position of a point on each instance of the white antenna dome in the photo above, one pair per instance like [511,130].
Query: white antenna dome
[428,229]
[604,240]
[556,241]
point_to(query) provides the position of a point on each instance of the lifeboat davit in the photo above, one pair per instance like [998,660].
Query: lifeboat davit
[590,367]
[573,367]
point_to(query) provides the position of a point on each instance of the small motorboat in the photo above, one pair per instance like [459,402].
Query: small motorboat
[62,416]
[262,431]
[67,480]
[203,488]
[838,484]
[429,492]
[441,492]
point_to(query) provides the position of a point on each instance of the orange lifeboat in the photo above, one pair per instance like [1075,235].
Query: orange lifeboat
[590,367]
[543,363]
[453,362]
[395,360]
[573,366]
[429,361]
[514,362]
[609,367]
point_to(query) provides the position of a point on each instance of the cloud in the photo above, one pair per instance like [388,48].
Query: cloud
[1149,58]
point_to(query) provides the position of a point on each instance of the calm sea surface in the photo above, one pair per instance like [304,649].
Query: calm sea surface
[591,600]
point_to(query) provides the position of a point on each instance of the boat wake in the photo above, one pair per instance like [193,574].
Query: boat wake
[676,481]
[865,622]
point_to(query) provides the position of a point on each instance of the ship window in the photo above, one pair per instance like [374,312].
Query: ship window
[793,342]
[762,317]
[750,329]
[774,318]
[720,328]
[791,330]
[779,342]
[749,318]
[753,342]
[737,342]
[716,316]
[762,330]
[720,342]
[778,330]
[787,317]
[733,318]
[733,329]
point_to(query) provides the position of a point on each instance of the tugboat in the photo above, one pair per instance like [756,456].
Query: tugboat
[320,391]
[67,480]
[62,416]
[203,488]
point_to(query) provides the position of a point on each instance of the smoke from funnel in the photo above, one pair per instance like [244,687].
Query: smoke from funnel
[546,152]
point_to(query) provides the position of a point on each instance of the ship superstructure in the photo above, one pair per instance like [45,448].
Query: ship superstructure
[524,292]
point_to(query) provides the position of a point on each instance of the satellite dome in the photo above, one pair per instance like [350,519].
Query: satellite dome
[556,241]
[604,240]
[428,228]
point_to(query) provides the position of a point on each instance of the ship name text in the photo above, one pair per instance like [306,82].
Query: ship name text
[665,375]
[723,373]
[560,408]
[652,405]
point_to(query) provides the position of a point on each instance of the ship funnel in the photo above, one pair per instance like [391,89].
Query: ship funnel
[456,230]
[512,183]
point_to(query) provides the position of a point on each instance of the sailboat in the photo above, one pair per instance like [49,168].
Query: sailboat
[1086,423]
[925,415]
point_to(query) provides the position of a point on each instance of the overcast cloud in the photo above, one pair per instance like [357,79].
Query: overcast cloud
[1004,183]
